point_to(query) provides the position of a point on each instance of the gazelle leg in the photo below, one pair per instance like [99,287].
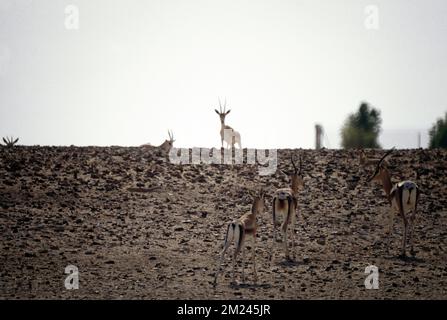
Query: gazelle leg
[274,229]
[219,266]
[404,240]
[254,259]
[228,240]
[292,227]
[389,230]
[274,223]
[236,251]
[239,241]
[411,235]
[285,226]
[413,218]
[273,244]
[284,237]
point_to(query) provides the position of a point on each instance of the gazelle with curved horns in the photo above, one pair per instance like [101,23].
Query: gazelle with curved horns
[166,146]
[285,203]
[227,133]
[237,231]
[403,198]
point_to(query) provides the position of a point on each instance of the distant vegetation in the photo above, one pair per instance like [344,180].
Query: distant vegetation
[438,133]
[361,129]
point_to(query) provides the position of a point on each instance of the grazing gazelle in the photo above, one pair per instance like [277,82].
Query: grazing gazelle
[285,202]
[237,231]
[166,146]
[227,133]
[403,198]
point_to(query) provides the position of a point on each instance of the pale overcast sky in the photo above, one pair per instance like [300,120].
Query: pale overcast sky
[135,69]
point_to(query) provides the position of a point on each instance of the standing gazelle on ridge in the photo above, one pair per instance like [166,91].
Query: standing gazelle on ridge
[237,231]
[285,203]
[403,198]
[227,133]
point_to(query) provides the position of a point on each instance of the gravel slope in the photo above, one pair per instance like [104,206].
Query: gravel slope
[139,227]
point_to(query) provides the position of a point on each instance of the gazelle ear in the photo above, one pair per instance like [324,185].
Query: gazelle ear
[217,111]
[227,112]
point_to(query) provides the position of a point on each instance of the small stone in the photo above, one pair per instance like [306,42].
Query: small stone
[321,242]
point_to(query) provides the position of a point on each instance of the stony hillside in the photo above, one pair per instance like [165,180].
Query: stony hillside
[140,227]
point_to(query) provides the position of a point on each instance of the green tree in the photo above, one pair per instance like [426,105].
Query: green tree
[361,129]
[438,133]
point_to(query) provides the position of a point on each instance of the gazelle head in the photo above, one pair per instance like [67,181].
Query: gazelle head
[381,169]
[168,144]
[296,177]
[258,201]
[362,157]
[222,113]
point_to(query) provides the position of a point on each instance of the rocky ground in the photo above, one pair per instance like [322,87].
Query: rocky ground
[139,227]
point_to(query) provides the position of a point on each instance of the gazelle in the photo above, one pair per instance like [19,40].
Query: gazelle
[403,198]
[285,202]
[237,231]
[9,141]
[168,144]
[227,133]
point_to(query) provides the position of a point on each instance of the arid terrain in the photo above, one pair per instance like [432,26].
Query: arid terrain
[139,227]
